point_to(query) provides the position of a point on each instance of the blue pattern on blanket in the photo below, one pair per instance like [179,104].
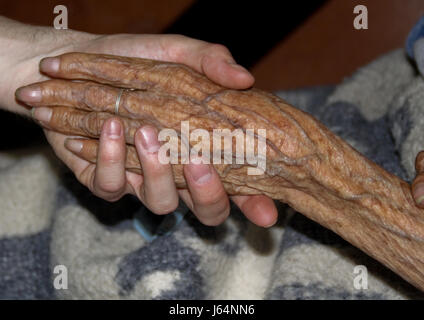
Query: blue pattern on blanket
[163,254]
[24,265]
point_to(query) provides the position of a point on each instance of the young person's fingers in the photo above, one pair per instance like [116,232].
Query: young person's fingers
[87,149]
[158,191]
[110,180]
[210,202]
[214,60]
[259,209]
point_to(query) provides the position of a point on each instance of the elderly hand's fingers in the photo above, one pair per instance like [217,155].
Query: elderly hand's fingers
[158,191]
[208,201]
[132,73]
[259,209]
[418,183]
[83,95]
[81,123]
[91,96]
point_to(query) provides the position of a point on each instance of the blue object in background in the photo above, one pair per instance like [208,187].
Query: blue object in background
[415,45]
[151,226]
[416,33]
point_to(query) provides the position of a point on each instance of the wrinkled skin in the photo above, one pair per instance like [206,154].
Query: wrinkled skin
[308,167]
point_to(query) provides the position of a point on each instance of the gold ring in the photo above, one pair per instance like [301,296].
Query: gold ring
[118,100]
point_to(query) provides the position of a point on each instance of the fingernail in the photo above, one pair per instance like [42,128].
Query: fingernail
[50,65]
[29,94]
[42,114]
[200,172]
[73,145]
[149,139]
[113,129]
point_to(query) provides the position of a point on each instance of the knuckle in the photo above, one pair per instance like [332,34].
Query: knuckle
[92,124]
[88,93]
[97,97]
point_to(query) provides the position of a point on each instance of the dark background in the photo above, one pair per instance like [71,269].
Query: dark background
[285,44]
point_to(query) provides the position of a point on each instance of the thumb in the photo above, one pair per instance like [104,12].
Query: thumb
[213,60]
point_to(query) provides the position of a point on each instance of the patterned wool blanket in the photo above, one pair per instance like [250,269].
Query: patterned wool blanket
[47,219]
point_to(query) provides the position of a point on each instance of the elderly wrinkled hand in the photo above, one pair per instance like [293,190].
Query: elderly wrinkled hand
[110,168]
